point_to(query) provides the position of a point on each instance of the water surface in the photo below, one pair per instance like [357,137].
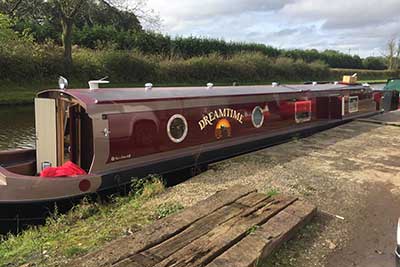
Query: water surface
[17,127]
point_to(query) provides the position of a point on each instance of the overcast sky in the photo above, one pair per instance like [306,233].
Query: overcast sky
[359,26]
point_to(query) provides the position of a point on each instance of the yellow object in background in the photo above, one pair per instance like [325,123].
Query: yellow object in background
[350,79]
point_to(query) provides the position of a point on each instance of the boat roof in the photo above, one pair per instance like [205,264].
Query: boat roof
[125,95]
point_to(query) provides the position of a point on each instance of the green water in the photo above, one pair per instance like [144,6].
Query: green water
[17,127]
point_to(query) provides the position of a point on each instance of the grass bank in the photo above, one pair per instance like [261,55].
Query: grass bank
[86,227]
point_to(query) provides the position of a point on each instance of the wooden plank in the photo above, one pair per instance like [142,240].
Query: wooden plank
[206,248]
[203,226]
[265,240]
[140,260]
[161,230]
[197,229]
[251,201]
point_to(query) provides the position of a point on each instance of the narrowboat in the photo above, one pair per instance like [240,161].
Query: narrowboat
[113,135]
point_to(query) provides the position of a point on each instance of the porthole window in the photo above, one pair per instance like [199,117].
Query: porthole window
[257,117]
[177,128]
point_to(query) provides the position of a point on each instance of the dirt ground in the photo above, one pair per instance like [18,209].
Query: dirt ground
[352,171]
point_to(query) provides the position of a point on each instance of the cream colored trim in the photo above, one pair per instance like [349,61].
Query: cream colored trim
[46,132]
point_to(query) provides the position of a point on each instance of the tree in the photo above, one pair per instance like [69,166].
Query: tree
[10,7]
[396,65]
[68,9]
[104,14]
[49,18]
[21,8]
[147,16]
[392,54]
[62,11]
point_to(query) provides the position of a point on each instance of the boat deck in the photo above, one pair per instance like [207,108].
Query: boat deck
[234,227]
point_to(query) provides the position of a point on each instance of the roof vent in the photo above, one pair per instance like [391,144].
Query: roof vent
[95,84]
[210,85]
[148,86]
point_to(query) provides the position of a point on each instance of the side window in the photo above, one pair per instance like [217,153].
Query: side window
[302,111]
[353,104]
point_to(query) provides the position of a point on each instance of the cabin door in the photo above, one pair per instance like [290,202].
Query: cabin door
[46,133]
[81,137]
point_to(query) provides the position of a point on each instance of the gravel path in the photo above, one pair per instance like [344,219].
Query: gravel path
[352,171]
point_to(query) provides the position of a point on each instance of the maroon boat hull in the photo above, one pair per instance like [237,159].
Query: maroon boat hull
[129,133]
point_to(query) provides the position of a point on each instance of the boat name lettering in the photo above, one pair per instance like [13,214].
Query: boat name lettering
[115,158]
[218,114]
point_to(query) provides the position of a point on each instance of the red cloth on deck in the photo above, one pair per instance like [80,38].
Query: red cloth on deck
[68,169]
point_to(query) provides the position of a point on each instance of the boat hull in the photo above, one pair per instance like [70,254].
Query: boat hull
[130,139]
[16,215]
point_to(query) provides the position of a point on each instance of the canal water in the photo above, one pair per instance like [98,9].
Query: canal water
[17,127]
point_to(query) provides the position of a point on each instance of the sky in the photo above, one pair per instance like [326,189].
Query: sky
[353,26]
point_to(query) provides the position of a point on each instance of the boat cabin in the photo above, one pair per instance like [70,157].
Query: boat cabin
[117,134]
[105,129]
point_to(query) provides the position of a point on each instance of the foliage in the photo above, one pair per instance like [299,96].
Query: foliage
[85,228]
[272,192]
[240,68]
[151,43]
[252,229]
[374,63]
[194,46]
[60,16]
[112,24]
[10,41]
[392,54]
[333,58]
[166,209]
[148,187]
[160,60]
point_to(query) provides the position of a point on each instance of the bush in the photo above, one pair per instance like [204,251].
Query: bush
[150,43]
[28,62]
[242,68]
[87,65]
[127,67]
[375,63]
